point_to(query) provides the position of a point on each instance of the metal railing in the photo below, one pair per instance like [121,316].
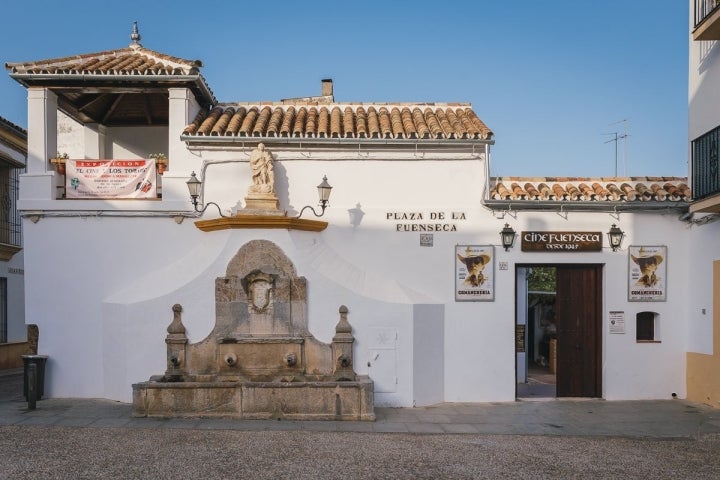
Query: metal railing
[10,221]
[703,9]
[705,172]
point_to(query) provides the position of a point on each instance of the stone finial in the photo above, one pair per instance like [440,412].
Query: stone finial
[343,326]
[135,35]
[176,327]
[342,348]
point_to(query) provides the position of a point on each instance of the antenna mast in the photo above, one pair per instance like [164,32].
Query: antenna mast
[615,139]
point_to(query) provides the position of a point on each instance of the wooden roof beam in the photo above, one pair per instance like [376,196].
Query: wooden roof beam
[113,107]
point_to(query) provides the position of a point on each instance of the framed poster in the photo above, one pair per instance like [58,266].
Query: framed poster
[647,273]
[474,273]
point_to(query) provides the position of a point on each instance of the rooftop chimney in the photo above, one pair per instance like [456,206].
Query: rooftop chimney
[327,87]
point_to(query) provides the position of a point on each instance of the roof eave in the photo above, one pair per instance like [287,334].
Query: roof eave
[41,79]
[588,206]
[236,139]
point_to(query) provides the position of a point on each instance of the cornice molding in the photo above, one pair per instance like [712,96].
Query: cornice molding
[261,221]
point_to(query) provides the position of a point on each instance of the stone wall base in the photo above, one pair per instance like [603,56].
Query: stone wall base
[256,400]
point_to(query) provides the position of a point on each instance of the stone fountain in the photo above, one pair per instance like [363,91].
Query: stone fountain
[260,361]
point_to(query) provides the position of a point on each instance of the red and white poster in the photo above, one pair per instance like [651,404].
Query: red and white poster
[86,179]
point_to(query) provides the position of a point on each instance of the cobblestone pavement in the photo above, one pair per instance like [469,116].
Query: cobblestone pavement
[80,438]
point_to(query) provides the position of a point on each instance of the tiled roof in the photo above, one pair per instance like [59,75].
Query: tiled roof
[13,135]
[134,60]
[341,120]
[8,125]
[575,190]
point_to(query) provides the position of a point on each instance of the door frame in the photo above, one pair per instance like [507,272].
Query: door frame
[597,327]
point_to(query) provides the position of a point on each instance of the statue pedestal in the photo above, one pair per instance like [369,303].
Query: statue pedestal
[264,203]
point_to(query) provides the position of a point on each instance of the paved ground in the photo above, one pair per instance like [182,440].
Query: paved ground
[77,438]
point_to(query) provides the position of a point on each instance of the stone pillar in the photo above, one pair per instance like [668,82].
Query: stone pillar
[182,109]
[176,341]
[40,180]
[342,345]
[42,129]
[33,337]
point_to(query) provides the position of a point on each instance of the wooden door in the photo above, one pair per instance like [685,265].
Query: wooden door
[578,309]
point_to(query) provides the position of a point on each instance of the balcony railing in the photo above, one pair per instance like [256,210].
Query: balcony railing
[705,172]
[703,9]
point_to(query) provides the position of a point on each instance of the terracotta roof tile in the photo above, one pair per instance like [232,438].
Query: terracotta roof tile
[569,189]
[361,123]
[131,60]
[236,121]
[303,120]
[335,123]
[323,123]
[349,122]
[287,122]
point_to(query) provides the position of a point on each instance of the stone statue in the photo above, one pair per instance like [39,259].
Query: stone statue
[263,174]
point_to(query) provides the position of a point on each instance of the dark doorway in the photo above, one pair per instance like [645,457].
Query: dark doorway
[560,311]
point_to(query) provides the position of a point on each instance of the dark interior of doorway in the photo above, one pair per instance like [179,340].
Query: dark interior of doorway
[541,335]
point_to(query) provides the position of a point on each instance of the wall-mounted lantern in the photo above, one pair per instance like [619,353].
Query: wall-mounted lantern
[324,190]
[615,236]
[507,237]
[194,186]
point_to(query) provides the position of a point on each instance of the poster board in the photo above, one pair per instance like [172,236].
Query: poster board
[110,179]
[647,273]
[474,273]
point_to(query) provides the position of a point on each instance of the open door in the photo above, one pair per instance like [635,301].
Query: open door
[578,310]
[521,314]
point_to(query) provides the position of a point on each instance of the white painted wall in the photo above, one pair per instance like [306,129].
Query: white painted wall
[102,287]
[703,245]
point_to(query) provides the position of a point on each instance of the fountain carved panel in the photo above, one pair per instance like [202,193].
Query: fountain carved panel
[260,360]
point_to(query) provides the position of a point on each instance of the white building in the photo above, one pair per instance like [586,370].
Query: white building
[704,132]
[13,148]
[411,199]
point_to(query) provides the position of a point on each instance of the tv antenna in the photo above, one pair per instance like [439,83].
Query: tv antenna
[617,136]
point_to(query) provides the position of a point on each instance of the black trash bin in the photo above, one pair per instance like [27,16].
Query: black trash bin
[40,361]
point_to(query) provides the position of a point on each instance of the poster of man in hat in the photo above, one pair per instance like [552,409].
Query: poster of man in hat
[647,273]
[474,273]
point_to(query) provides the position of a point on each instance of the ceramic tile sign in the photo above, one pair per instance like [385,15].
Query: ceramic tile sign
[647,273]
[90,179]
[474,273]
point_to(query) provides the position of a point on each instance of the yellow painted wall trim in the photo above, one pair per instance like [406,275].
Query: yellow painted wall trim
[703,381]
[261,221]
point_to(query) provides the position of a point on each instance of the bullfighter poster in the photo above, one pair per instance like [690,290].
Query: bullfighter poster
[474,273]
[85,179]
[647,273]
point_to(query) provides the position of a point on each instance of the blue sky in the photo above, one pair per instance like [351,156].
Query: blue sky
[549,78]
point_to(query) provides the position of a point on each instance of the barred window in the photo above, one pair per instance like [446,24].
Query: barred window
[10,224]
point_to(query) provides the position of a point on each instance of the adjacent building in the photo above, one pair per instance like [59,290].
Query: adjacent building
[13,149]
[704,132]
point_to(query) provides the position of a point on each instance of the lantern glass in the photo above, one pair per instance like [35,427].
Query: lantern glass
[324,190]
[194,185]
[615,236]
[507,236]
